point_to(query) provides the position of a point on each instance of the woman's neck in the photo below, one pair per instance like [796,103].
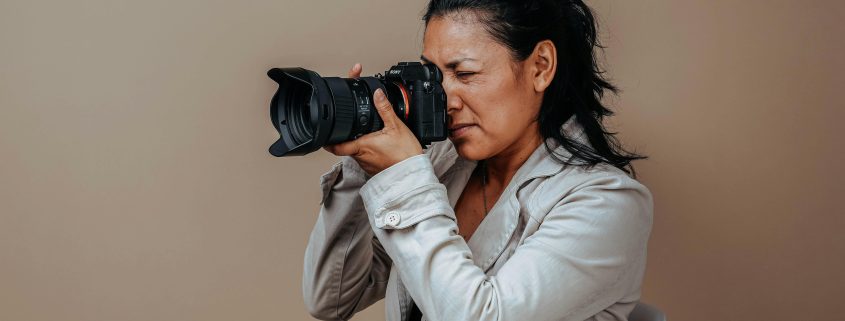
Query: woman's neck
[504,165]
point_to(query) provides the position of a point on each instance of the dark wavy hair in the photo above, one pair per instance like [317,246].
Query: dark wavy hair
[578,85]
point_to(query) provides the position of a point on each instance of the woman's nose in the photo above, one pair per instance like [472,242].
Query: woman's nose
[453,104]
[453,100]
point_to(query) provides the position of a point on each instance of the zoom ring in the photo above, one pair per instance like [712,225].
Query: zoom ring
[344,110]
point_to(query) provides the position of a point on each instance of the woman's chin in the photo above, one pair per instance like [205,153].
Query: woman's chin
[467,151]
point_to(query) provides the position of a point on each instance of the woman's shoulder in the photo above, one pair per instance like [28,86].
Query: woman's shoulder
[602,189]
[602,175]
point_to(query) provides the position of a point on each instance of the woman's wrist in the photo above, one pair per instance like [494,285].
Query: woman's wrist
[353,171]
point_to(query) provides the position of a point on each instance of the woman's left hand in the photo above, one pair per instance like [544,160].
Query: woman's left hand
[379,150]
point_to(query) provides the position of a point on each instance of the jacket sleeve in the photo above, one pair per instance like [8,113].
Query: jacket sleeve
[346,268]
[585,255]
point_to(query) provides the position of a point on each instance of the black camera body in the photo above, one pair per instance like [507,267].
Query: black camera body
[427,99]
[310,111]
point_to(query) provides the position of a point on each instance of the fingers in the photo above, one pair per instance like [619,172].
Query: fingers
[349,148]
[385,109]
[355,72]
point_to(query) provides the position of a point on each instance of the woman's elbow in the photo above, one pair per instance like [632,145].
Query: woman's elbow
[320,309]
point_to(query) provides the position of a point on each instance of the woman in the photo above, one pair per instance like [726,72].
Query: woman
[527,212]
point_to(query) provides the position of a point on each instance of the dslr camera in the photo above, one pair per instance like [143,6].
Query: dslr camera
[310,111]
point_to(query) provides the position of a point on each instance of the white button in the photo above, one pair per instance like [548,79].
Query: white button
[392,219]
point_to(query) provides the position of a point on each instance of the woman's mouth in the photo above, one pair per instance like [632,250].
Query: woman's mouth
[460,130]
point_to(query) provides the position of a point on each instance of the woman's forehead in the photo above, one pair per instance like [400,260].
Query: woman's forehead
[447,39]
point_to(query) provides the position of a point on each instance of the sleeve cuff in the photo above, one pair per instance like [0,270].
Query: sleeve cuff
[346,170]
[404,194]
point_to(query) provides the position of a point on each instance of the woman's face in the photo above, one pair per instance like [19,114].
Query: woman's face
[492,103]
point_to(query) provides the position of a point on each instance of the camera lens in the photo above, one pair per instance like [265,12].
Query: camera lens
[310,111]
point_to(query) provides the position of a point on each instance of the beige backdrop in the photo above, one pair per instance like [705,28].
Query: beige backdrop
[135,182]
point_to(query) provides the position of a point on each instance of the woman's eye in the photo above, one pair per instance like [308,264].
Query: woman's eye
[464,74]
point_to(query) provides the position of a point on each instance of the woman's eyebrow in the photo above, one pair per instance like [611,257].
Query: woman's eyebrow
[450,65]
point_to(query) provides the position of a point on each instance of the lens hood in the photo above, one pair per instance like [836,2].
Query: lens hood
[301,129]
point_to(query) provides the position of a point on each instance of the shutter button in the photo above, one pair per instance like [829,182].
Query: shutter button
[392,219]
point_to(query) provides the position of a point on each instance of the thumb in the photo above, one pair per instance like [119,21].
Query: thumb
[385,109]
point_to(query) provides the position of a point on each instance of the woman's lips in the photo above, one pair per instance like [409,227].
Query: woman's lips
[460,131]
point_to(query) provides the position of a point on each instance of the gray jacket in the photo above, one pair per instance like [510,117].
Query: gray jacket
[561,243]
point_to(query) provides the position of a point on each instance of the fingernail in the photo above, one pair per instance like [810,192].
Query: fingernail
[379,95]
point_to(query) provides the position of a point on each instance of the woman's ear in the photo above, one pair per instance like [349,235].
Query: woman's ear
[543,64]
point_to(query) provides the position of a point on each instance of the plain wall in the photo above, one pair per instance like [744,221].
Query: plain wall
[135,182]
